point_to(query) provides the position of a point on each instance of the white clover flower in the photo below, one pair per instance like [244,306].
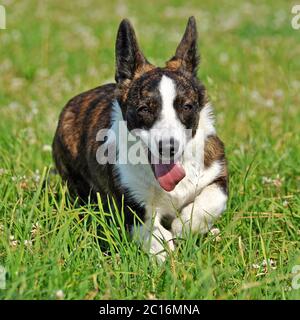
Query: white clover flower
[269,103]
[59,294]
[28,243]
[3,171]
[215,231]
[285,203]
[47,148]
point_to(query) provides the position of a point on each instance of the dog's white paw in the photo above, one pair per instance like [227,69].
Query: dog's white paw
[158,241]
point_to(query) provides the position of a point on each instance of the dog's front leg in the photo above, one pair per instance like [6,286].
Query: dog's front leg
[199,216]
[153,237]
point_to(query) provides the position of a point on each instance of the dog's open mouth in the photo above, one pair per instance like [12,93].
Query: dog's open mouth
[167,174]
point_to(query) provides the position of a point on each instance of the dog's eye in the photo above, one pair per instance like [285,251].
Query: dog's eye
[142,109]
[188,107]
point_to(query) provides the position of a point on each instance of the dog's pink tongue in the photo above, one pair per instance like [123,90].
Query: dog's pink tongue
[168,175]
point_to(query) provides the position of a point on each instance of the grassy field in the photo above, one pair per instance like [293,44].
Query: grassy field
[52,50]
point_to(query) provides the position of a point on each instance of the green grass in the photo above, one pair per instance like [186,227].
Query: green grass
[52,50]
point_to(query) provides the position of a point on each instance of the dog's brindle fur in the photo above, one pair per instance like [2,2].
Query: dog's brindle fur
[75,145]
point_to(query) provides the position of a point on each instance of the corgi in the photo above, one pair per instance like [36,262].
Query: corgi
[149,142]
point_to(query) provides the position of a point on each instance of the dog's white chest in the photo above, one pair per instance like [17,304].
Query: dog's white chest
[142,185]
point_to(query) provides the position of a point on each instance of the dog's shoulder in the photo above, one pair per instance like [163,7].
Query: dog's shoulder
[80,117]
[214,152]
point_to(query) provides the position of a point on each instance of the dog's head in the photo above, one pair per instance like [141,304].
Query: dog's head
[161,105]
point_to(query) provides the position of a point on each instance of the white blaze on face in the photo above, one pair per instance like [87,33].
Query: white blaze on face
[168,171]
[168,126]
[167,91]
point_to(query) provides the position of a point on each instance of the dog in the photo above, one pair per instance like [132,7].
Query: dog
[181,186]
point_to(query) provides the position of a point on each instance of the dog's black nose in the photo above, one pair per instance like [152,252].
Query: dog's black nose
[168,148]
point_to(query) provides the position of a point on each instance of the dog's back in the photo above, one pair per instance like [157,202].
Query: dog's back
[74,141]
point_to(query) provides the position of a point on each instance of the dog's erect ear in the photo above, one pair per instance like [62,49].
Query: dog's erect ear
[186,56]
[129,58]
